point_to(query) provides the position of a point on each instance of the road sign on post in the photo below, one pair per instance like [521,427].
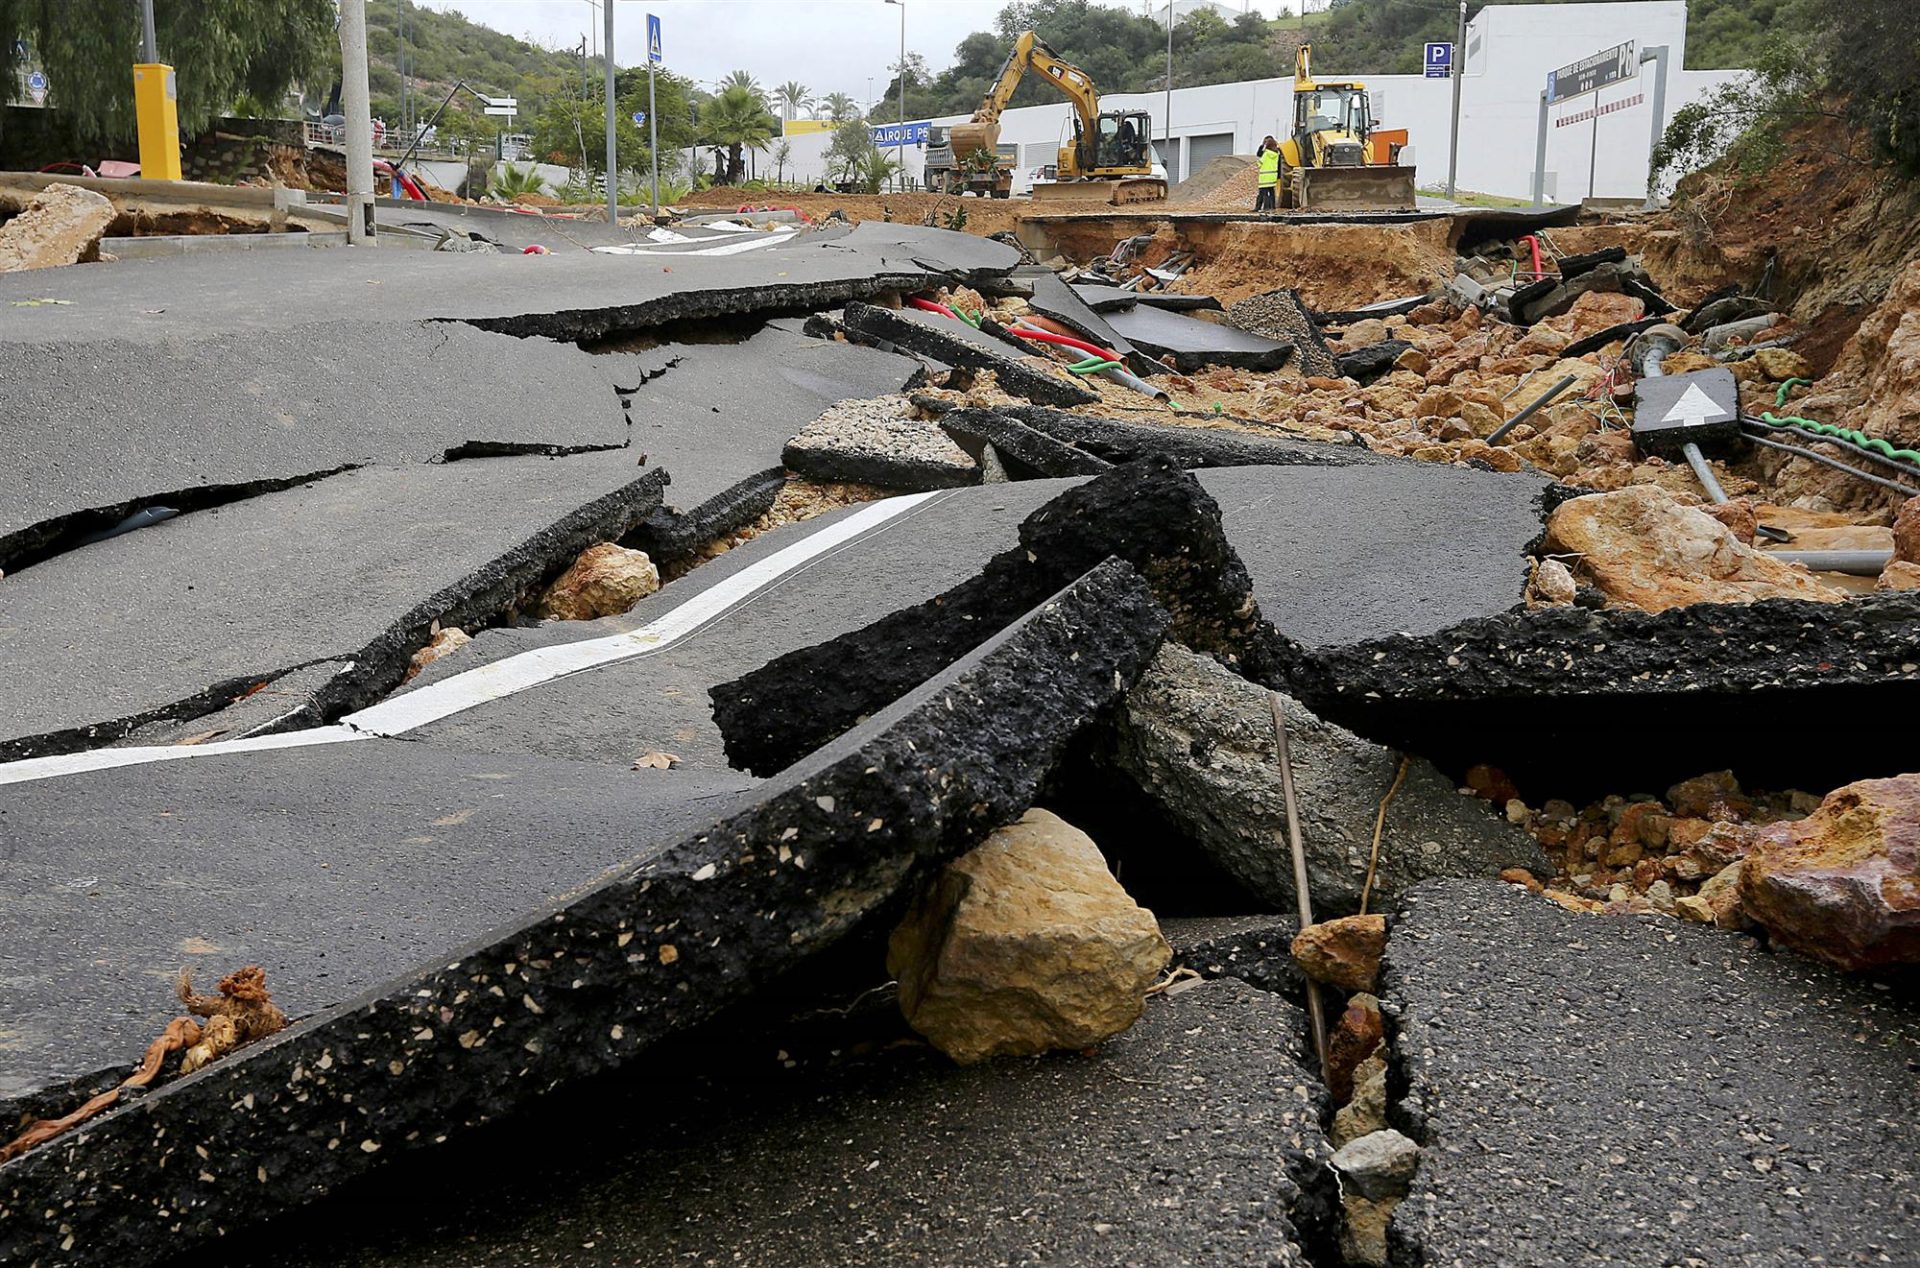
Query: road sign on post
[639,118]
[37,88]
[654,55]
[1439,61]
[1590,74]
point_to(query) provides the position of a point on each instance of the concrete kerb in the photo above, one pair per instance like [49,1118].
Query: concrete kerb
[582,987]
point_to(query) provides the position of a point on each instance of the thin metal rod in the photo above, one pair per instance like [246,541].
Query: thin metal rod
[1459,75]
[1538,403]
[1302,894]
[1703,473]
[152,42]
[1802,452]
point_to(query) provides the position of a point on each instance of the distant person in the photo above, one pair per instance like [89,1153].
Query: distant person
[1269,175]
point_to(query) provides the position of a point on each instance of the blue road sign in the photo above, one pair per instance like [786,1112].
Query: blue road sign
[653,38]
[917,133]
[1439,61]
[639,118]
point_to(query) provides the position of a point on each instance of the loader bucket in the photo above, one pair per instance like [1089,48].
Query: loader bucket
[1353,188]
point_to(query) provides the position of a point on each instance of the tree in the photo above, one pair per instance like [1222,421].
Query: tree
[840,107]
[793,98]
[737,121]
[223,50]
[745,80]
[847,154]
[782,155]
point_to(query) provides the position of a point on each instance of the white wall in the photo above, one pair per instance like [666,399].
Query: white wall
[1510,50]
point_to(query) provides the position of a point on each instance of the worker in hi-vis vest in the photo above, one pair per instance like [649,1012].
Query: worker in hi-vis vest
[1269,175]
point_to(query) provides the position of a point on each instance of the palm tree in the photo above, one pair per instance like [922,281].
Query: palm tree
[793,97]
[782,155]
[511,181]
[840,107]
[736,120]
[744,79]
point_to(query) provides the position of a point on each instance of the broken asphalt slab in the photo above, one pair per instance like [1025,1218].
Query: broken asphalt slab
[181,618]
[784,590]
[1563,699]
[334,867]
[1322,555]
[1191,1139]
[1190,445]
[1053,298]
[955,343]
[1194,344]
[572,295]
[583,987]
[1637,1091]
[98,429]
[1102,299]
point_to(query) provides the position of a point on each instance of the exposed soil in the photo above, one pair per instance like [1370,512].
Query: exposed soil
[984,215]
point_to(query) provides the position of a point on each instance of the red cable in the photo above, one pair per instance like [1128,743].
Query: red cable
[1534,242]
[1047,336]
[927,305]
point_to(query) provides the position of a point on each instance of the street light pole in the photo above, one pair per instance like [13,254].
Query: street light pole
[359,116]
[1459,73]
[613,188]
[153,42]
[900,141]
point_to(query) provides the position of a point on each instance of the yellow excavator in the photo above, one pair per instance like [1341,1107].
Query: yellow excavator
[1335,159]
[1111,156]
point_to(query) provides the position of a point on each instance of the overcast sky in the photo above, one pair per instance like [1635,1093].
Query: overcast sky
[829,45]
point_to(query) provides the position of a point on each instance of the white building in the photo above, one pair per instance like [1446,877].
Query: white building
[1510,50]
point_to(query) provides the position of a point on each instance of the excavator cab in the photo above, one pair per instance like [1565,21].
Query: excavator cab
[1331,123]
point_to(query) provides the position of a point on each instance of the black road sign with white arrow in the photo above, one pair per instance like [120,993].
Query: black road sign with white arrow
[1701,408]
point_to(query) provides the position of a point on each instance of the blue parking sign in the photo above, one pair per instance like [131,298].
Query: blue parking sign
[653,38]
[1439,61]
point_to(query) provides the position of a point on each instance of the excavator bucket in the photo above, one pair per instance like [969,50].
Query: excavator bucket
[1352,188]
[972,138]
[1115,193]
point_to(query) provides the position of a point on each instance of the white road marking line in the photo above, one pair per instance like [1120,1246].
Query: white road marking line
[503,677]
[731,248]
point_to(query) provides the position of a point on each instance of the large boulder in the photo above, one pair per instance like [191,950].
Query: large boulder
[605,580]
[63,225]
[1198,739]
[1642,548]
[1843,884]
[1025,944]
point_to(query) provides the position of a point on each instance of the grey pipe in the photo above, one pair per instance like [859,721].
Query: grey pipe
[1536,405]
[1801,451]
[1719,337]
[1126,379]
[1855,563]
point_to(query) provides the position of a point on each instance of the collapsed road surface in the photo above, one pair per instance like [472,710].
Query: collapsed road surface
[287,688]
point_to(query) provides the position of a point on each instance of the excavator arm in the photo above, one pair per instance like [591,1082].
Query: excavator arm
[1030,52]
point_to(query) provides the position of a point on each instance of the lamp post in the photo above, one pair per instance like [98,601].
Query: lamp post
[900,142]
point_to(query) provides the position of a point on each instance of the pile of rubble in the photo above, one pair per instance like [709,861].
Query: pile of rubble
[1020,753]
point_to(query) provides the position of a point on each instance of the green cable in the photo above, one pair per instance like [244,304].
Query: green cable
[972,319]
[1858,439]
[1092,365]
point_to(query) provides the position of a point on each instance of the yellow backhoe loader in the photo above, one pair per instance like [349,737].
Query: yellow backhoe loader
[1111,156]
[1334,159]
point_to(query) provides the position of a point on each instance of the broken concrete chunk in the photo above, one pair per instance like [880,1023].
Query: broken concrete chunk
[62,225]
[880,441]
[1380,1164]
[1031,452]
[1642,548]
[1356,1036]
[1344,952]
[1367,1111]
[605,580]
[1199,740]
[1843,884]
[1023,945]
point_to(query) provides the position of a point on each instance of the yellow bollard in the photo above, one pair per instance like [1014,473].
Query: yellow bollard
[159,117]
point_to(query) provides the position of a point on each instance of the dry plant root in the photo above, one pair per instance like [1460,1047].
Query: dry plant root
[242,1012]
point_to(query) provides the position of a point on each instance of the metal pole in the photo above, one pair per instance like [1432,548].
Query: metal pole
[1303,899]
[359,116]
[1659,55]
[1166,129]
[1540,154]
[1593,146]
[1459,74]
[653,136]
[900,146]
[613,187]
[153,44]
